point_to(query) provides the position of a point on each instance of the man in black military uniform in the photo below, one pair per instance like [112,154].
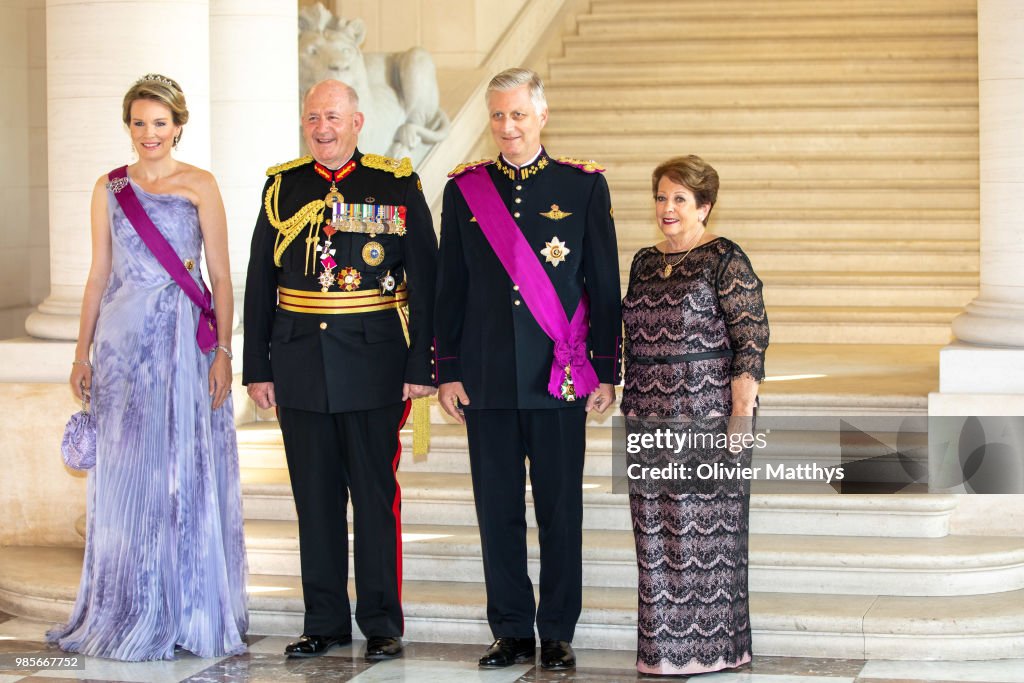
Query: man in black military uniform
[494,362]
[344,242]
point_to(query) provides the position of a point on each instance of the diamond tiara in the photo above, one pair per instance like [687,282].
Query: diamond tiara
[157,78]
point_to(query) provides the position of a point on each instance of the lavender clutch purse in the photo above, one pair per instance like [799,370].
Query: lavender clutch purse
[79,443]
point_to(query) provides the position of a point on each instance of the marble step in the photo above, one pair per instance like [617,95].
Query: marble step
[446,498]
[938,70]
[624,27]
[757,9]
[841,290]
[807,170]
[954,565]
[843,256]
[872,290]
[862,256]
[860,145]
[41,583]
[891,118]
[718,48]
[742,225]
[956,92]
[802,441]
[862,325]
[629,196]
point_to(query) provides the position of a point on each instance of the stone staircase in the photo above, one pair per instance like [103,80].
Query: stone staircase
[833,576]
[845,134]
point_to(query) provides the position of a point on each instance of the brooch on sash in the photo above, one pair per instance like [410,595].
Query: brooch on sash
[554,251]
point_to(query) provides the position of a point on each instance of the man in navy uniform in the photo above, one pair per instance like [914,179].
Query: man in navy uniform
[527,327]
[343,245]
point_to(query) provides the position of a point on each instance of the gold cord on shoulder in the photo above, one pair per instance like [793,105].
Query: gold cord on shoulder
[289,165]
[399,169]
[468,166]
[587,166]
[288,230]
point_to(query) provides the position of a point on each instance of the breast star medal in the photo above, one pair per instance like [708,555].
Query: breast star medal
[373,253]
[555,213]
[387,284]
[349,279]
[554,251]
[327,278]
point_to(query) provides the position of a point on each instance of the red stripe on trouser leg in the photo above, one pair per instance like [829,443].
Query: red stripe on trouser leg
[396,506]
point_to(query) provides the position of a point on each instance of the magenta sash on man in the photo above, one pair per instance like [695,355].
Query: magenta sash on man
[572,375]
[206,333]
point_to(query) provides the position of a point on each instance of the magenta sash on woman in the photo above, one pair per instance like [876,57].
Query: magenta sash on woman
[572,375]
[206,334]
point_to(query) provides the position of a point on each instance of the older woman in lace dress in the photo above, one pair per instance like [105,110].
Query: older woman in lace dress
[696,332]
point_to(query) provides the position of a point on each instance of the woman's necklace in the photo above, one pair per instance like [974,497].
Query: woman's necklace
[667,270]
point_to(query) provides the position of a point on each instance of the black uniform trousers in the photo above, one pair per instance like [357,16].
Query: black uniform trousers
[332,456]
[554,441]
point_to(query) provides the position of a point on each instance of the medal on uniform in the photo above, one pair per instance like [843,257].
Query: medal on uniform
[327,278]
[387,284]
[349,279]
[398,220]
[373,253]
[568,387]
[334,200]
[554,251]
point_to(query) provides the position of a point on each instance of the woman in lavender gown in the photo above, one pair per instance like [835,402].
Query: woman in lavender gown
[164,560]
[696,334]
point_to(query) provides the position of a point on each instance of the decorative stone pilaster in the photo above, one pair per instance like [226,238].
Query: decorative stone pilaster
[254,108]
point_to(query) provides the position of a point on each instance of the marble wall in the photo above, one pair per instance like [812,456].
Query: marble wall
[458,33]
[24,223]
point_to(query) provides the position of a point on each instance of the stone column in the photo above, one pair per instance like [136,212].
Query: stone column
[95,50]
[983,372]
[996,316]
[254,100]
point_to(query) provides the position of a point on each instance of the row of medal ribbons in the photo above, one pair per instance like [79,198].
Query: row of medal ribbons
[348,215]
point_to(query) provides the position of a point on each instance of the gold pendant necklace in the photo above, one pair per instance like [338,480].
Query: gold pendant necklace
[667,270]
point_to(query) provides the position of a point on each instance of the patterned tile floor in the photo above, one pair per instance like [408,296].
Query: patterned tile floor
[438,663]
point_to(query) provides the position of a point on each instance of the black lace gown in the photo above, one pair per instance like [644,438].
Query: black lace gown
[692,545]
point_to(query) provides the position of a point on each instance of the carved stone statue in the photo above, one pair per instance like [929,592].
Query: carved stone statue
[397,90]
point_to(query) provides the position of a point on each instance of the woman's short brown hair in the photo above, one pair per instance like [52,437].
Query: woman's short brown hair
[160,89]
[694,173]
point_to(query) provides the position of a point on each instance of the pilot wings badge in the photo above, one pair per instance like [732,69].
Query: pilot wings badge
[555,213]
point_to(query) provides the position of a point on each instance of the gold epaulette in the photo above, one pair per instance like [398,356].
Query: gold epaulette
[469,166]
[289,165]
[400,169]
[590,166]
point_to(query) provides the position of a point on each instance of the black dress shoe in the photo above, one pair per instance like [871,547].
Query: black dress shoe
[314,646]
[383,647]
[508,651]
[556,655]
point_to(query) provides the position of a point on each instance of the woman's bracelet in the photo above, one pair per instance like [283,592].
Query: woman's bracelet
[82,362]
[226,350]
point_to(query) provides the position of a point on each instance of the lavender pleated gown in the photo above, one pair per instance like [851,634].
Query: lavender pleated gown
[164,555]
